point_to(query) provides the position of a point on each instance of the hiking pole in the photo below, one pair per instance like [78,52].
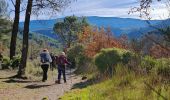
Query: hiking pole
[70,74]
[53,74]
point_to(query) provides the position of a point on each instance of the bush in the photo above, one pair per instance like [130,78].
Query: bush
[106,59]
[148,63]
[6,62]
[127,57]
[15,61]
[163,67]
[80,60]
[76,55]
[33,70]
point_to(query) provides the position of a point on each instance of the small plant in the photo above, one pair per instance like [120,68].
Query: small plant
[148,63]
[33,70]
[15,61]
[163,68]
[6,62]
[45,98]
[126,57]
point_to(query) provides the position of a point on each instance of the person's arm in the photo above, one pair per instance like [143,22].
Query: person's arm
[41,57]
[66,61]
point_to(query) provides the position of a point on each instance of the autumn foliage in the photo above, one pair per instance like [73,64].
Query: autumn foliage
[96,39]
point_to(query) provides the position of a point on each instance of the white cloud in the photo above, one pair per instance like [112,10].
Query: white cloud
[107,8]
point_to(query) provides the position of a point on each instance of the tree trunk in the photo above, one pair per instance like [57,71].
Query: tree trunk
[21,71]
[15,29]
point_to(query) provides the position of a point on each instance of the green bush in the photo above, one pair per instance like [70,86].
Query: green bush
[79,59]
[106,59]
[148,63]
[75,55]
[15,61]
[6,62]
[163,67]
[127,57]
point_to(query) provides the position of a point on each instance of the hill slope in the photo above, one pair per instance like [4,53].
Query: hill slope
[132,27]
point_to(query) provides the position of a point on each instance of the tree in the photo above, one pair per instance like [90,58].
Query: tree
[3,8]
[144,8]
[15,29]
[69,28]
[5,25]
[3,21]
[144,11]
[96,39]
[21,71]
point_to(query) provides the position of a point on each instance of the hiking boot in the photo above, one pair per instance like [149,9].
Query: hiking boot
[57,81]
[43,80]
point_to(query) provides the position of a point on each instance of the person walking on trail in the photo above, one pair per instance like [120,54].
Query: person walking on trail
[1,59]
[45,63]
[62,62]
[53,63]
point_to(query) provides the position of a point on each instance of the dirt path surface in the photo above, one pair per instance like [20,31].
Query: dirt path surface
[15,89]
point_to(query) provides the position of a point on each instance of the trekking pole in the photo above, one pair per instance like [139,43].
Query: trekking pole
[70,75]
[52,73]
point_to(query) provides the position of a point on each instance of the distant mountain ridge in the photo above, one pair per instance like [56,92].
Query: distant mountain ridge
[132,27]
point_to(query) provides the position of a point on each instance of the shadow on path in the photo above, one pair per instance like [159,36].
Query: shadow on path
[35,86]
[19,81]
[84,84]
[1,78]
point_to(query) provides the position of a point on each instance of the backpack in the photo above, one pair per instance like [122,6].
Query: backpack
[44,58]
[61,60]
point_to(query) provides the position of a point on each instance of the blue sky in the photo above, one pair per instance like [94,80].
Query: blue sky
[104,8]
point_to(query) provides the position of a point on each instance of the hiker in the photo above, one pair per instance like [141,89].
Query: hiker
[53,63]
[1,56]
[62,62]
[45,63]
[1,59]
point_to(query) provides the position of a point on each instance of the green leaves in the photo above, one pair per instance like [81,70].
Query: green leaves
[69,28]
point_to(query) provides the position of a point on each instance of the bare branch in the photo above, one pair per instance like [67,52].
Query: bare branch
[13,3]
[168,49]
[143,9]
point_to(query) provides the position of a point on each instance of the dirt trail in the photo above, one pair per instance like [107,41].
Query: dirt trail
[14,89]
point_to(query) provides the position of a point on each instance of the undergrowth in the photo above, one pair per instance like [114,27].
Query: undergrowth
[124,85]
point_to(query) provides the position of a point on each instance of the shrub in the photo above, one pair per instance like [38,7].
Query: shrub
[108,58]
[6,62]
[148,63]
[15,61]
[127,57]
[75,55]
[80,60]
[33,70]
[163,67]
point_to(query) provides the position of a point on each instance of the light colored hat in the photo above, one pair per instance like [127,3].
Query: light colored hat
[62,53]
[45,50]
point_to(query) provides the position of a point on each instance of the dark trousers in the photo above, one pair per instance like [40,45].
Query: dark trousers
[45,70]
[61,70]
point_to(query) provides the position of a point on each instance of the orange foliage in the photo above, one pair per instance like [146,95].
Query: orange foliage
[159,52]
[96,39]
